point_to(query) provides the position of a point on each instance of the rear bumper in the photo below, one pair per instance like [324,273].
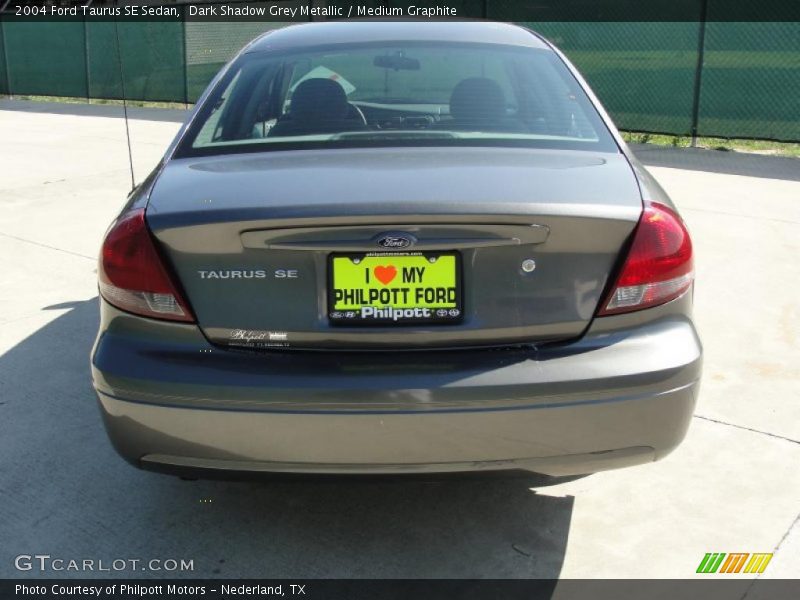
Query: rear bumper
[170,399]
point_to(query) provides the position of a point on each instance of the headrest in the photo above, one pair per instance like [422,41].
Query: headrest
[319,99]
[477,98]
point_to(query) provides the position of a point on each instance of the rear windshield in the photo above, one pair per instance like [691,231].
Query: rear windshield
[397,94]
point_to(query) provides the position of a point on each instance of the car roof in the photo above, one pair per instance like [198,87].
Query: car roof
[366,31]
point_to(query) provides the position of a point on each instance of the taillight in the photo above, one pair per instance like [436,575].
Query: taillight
[659,265]
[132,274]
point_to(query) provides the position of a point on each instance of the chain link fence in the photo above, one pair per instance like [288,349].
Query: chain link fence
[698,76]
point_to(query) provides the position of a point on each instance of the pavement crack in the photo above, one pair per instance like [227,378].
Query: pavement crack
[19,239]
[11,191]
[774,552]
[786,533]
[520,550]
[780,437]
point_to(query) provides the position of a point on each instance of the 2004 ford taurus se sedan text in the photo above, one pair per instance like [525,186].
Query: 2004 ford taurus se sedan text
[384,247]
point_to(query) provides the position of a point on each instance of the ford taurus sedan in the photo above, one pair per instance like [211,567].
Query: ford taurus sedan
[388,247]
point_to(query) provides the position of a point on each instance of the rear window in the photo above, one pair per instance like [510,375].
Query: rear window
[397,94]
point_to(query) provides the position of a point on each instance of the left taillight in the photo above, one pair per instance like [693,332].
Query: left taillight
[134,277]
[659,266]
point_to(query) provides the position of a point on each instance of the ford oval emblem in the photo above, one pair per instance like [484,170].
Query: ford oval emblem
[395,240]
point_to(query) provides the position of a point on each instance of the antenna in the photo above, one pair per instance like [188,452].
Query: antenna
[124,100]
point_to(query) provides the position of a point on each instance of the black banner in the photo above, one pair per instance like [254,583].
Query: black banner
[311,10]
[403,589]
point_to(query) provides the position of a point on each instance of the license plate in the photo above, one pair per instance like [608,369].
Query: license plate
[380,288]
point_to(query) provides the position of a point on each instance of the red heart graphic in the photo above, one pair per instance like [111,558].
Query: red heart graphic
[385,274]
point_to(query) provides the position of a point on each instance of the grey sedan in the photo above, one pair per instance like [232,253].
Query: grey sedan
[389,247]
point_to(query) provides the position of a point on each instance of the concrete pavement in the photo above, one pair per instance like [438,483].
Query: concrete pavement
[733,486]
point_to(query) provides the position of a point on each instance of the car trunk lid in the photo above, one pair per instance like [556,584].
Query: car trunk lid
[535,235]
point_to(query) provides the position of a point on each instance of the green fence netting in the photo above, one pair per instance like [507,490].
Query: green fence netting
[153,61]
[644,73]
[3,74]
[727,79]
[210,45]
[751,81]
[45,58]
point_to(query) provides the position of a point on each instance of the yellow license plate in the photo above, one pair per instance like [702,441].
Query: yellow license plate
[386,287]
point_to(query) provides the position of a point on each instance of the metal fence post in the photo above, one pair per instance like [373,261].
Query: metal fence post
[5,59]
[86,60]
[698,74]
[185,60]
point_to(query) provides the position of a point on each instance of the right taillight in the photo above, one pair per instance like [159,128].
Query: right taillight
[134,277]
[659,265]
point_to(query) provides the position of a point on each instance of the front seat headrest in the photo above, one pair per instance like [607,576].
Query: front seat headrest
[319,99]
[477,99]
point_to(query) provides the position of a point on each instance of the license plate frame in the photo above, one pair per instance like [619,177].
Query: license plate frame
[439,314]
